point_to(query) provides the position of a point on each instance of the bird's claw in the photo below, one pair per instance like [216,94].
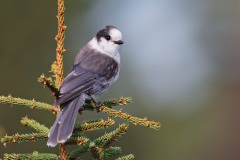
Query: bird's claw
[97,104]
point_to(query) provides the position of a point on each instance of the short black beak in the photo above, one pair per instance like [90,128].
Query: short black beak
[118,42]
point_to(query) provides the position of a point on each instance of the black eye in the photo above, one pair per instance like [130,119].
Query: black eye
[108,38]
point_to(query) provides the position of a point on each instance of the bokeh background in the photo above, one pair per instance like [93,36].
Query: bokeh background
[180,63]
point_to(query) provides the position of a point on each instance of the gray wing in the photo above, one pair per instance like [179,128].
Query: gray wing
[90,68]
[79,80]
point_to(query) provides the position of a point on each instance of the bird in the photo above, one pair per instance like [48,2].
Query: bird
[95,68]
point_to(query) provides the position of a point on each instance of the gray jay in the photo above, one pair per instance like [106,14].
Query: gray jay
[95,68]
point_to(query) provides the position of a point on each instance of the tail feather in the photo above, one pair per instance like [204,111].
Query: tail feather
[69,118]
[63,126]
[52,139]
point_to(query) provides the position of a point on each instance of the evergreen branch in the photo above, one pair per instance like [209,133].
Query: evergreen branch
[89,105]
[73,139]
[35,125]
[117,101]
[93,120]
[99,145]
[84,147]
[57,67]
[105,140]
[96,152]
[90,125]
[26,103]
[63,152]
[112,151]
[78,129]
[49,83]
[76,140]
[127,157]
[81,141]
[35,155]
[18,138]
[129,118]
[84,126]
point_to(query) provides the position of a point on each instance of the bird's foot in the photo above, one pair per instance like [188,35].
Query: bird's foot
[97,104]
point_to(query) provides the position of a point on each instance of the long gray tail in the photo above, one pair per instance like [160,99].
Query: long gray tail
[63,126]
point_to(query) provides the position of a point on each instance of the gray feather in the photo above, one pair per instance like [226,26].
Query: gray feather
[87,74]
[69,118]
[63,126]
[52,136]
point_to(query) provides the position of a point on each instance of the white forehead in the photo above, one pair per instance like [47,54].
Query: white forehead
[115,34]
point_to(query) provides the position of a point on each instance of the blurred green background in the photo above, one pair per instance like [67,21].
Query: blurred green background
[180,63]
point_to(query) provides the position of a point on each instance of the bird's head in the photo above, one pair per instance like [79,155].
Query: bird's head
[109,39]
